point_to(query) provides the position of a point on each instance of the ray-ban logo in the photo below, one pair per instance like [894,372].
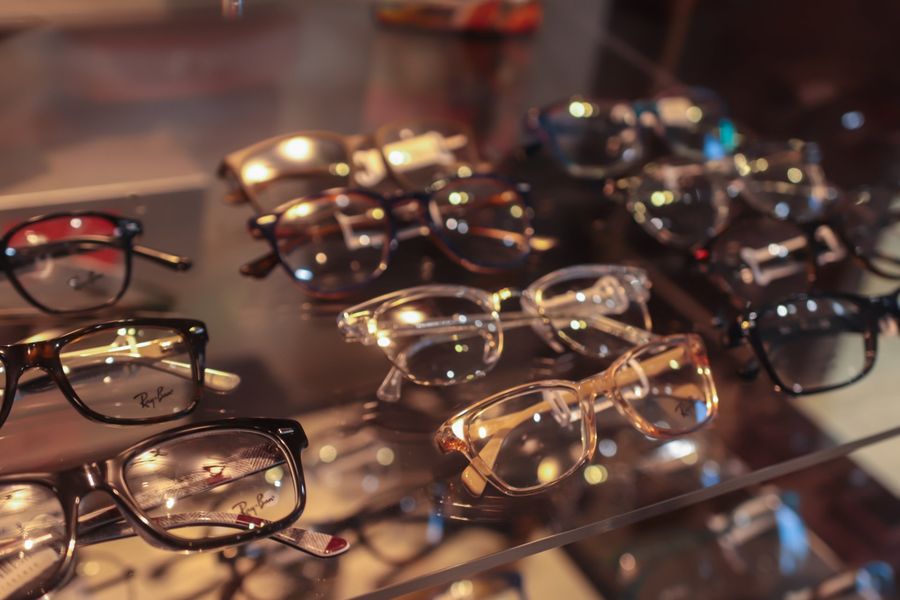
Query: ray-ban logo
[77,282]
[151,399]
[251,508]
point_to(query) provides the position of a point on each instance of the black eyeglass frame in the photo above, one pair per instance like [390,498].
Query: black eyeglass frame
[127,230]
[264,226]
[71,485]
[872,310]
[45,354]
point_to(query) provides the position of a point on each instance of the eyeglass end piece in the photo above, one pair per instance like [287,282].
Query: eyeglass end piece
[220,381]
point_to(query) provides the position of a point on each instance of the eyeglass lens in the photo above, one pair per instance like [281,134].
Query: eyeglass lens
[530,438]
[573,305]
[482,220]
[596,135]
[335,241]
[131,372]
[295,167]
[666,387]
[439,339]
[32,537]
[814,343]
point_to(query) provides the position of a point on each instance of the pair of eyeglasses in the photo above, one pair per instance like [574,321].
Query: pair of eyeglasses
[799,223]
[411,153]
[448,334]
[531,437]
[200,487]
[76,261]
[812,343]
[759,258]
[685,203]
[126,372]
[595,138]
[335,242]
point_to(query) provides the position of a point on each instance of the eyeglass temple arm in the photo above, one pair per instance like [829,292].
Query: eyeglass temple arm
[57,248]
[165,259]
[315,543]
[151,353]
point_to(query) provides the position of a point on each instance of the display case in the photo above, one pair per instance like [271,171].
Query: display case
[130,111]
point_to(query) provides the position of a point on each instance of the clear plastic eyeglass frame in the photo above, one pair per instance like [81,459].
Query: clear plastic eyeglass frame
[634,384]
[561,307]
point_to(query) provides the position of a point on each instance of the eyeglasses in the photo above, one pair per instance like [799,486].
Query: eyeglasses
[337,241]
[595,138]
[812,343]
[413,153]
[127,372]
[760,259]
[76,261]
[199,487]
[807,224]
[685,204]
[530,437]
[448,334]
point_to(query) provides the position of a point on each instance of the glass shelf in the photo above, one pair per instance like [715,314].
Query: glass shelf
[372,471]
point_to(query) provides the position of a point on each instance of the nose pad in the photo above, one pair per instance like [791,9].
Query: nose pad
[559,409]
[749,370]
[639,389]
[539,325]
[889,325]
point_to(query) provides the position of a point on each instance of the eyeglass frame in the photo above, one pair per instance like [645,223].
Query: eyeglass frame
[588,390]
[537,123]
[46,354]
[71,485]
[264,226]
[354,321]
[723,174]
[241,193]
[872,310]
[128,229]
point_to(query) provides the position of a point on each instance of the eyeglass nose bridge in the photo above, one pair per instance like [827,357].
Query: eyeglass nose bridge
[41,355]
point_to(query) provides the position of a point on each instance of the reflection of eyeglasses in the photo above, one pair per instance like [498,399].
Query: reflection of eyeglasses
[448,334]
[596,138]
[734,550]
[414,153]
[165,496]
[336,241]
[532,436]
[811,343]
[132,371]
[76,261]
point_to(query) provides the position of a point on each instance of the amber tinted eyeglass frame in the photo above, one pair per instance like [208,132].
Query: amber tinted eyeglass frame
[17,358]
[108,476]
[126,230]
[453,435]
[244,192]
[265,227]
